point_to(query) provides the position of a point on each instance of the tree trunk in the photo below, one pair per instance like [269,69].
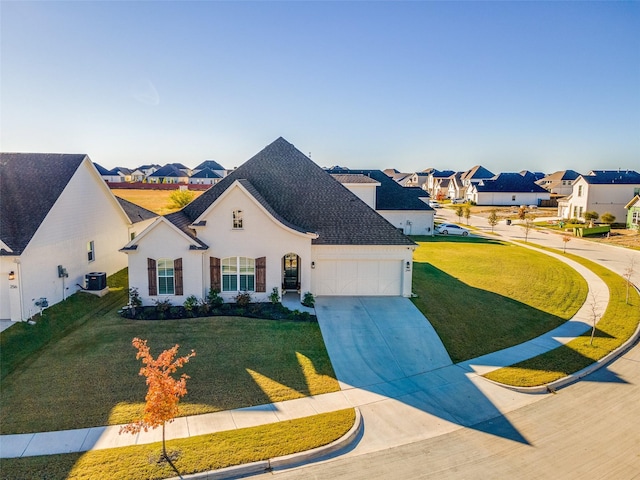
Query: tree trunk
[164,453]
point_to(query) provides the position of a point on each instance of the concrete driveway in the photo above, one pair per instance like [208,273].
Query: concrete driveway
[374,340]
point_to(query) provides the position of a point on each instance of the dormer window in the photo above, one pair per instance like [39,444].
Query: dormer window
[237,219]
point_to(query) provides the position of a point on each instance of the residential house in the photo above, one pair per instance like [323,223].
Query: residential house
[456,188]
[170,173]
[438,183]
[213,166]
[59,222]
[205,176]
[404,207]
[471,176]
[633,213]
[508,189]
[278,222]
[601,191]
[148,169]
[418,179]
[559,183]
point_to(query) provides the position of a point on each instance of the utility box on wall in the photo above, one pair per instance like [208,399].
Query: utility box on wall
[96,280]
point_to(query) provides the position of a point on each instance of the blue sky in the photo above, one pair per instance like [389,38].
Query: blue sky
[510,85]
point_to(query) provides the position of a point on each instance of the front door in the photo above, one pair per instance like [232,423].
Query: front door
[290,268]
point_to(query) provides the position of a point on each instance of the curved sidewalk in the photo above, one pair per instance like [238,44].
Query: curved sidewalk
[421,405]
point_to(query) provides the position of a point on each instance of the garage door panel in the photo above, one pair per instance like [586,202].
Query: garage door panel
[358,277]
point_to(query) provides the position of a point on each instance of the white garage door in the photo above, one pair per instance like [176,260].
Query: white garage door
[358,277]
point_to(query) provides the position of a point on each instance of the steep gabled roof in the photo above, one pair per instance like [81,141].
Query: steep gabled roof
[618,177]
[390,195]
[206,173]
[562,175]
[476,173]
[136,213]
[102,170]
[442,173]
[305,196]
[30,184]
[509,182]
[169,170]
[211,164]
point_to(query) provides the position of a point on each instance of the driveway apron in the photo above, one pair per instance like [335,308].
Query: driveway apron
[373,340]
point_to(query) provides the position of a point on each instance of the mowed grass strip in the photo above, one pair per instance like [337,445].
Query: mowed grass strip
[618,323]
[195,454]
[483,295]
[90,376]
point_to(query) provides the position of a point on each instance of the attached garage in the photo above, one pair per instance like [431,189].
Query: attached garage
[358,277]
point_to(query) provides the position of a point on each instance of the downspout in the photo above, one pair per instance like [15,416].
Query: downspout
[21,291]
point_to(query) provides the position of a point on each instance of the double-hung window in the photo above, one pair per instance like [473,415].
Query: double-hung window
[166,277]
[238,274]
[237,219]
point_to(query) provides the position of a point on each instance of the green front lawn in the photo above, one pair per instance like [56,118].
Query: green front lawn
[89,376]
[483,295]
[195,454]
[617,324]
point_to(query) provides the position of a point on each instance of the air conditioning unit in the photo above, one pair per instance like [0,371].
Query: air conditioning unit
[96,280]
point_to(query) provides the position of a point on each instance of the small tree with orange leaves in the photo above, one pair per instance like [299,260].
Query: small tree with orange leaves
[164,391]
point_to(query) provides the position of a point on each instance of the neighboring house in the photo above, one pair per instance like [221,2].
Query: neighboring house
[456,188]
[535,176]
[474,175]
[633,214]
[404,207]
[170,173]
[278,221]
[508,189]
[115,175]
[560,182]
[59,222]
[137,175]
[436,184]
[418,179]
[148,169]
[213,166]
[601,191]
[206,176]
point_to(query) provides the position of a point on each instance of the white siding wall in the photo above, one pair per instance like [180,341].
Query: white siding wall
[85,211]
[260,236]
[421,222]
[166,242]
[506,198]
[365,192]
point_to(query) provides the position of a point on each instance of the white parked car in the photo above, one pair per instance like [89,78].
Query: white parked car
[434,204]
[451,229]
[458,200]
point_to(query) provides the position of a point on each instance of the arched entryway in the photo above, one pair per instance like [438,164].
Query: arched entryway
[290,272]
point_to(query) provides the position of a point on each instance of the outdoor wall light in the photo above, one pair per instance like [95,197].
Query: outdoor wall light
[12,275]
[313,264]
[408,266]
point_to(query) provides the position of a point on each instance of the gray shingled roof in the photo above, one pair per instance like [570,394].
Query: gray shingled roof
[305,196]
[353,178]
[136,213]
[509,182]
[390,195]
[206,173]
[618,177]
[212,164]
[30,184]
[476,173]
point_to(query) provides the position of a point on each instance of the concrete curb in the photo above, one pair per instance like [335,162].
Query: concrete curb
[286,461]
[574,377]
